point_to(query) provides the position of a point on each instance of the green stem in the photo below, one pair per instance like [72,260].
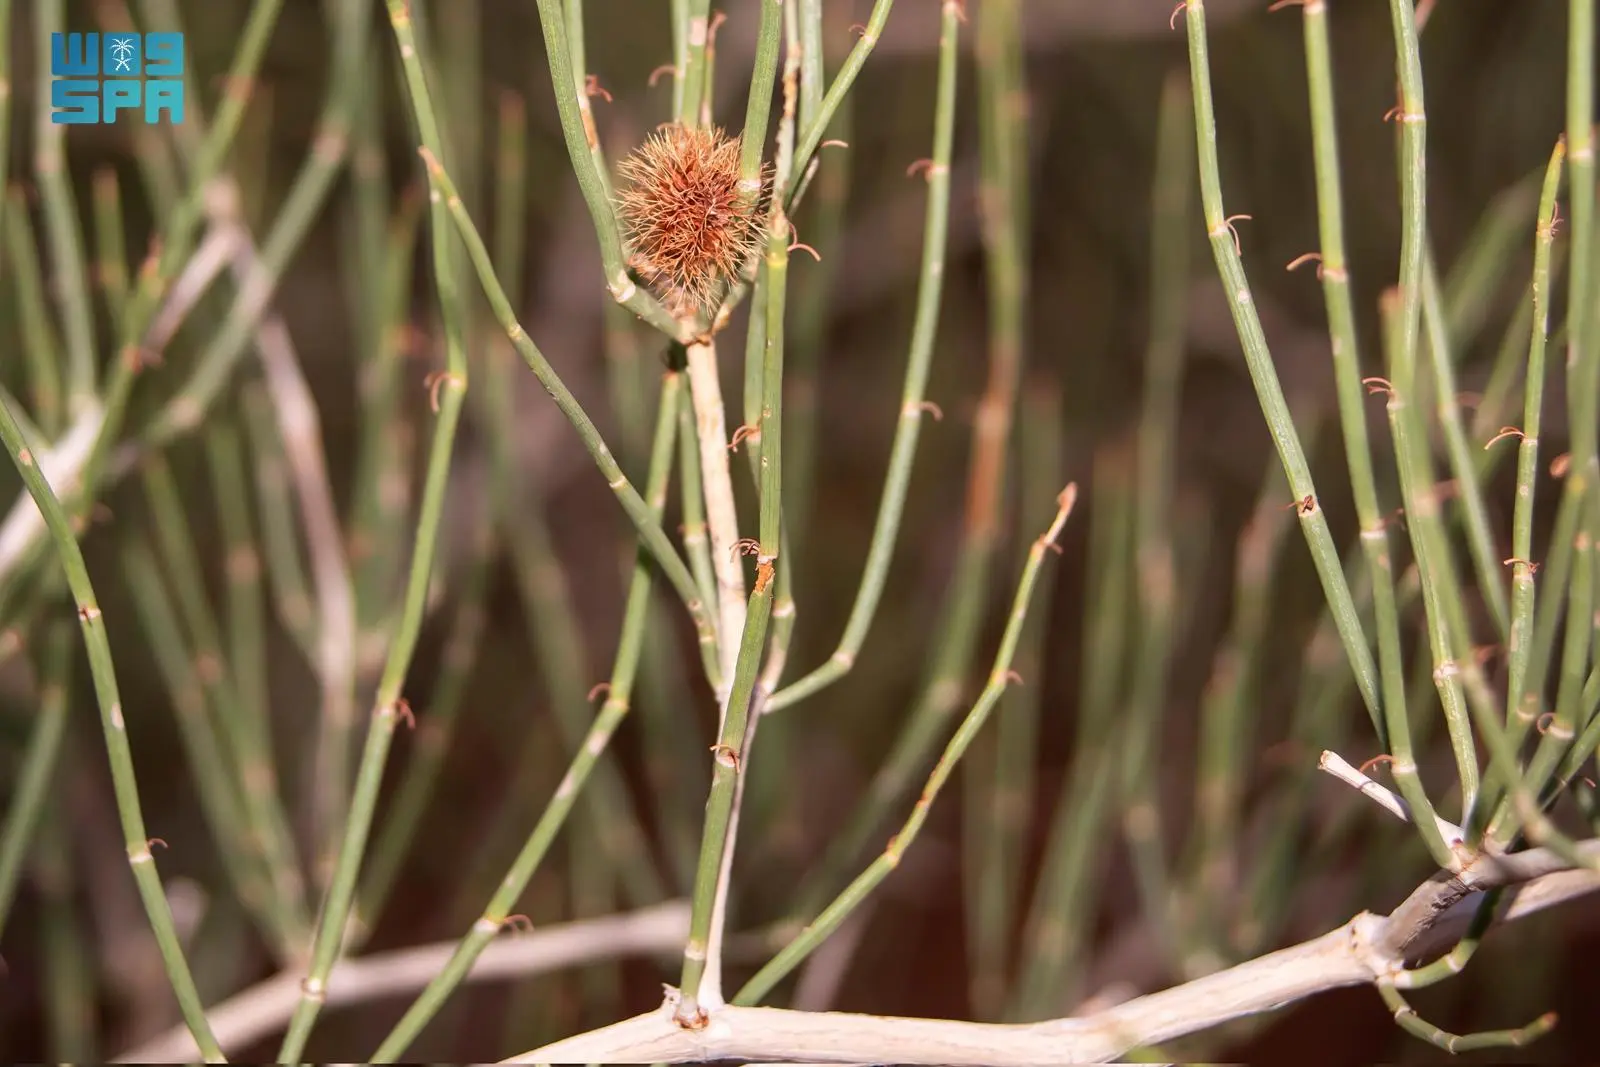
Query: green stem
[997,807]
[1440,584]
[172,248]
[39,763]
[1258,358]
[1523,597]
[649,527]
[70,268]
[1422,515]
[216,785]
[1469,492]
[913,407]
[124,784]
[1063,902]
[1155,562]
[693,84]
[388,707]
[577,127]
[702,951]
[618,696]
[999,679]
[41,349]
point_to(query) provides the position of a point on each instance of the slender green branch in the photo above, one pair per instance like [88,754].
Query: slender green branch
[1523,598]
[999,679]
[1422,513]
[411,797]
[41,348]
[691,29]
[577,127]
[700,987]
[377,524]
[812,72]
[1155,560]
[655,539]
[1440,584]
[812,133]
[434,734]
[1063,905]
[758,105]
[913,406]
[388,706]
[1219,228]
[239,847]
[39,762]
[62,229]
[1583,347]
[618,697]
[1473,512]
[996,810]
[1408,1019]
[124,784]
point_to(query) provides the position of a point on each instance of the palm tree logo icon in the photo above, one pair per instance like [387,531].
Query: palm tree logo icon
[122,53]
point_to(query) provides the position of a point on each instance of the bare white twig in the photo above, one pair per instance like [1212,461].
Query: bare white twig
[722,525]
[1364,950]
[1336,765]
[263,1009]
[722,520]
[61,465]
[217,249]
[301,430]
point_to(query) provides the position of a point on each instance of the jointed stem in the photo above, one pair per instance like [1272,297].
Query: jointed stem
[999,678]
[582,142]
[649,527]
[387,703]
[618,696]
[701,983]
[1523,598]
[722,520]
[124,784]
[1440,585]
[1313,521]
[913,409]
[26,805]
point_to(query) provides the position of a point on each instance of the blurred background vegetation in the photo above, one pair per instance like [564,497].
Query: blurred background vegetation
[1495,80]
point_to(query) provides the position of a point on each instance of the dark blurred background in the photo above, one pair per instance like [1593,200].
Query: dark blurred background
[1495,82]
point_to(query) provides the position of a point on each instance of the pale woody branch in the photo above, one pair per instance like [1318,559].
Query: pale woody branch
[1366,950]
[262,1010]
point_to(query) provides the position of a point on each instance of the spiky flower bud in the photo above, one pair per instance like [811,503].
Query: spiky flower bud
[690,224]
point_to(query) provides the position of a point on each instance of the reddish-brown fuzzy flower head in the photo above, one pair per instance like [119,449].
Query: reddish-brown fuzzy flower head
[688,222]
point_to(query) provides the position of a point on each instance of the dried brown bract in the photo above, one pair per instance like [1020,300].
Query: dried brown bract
[690,224]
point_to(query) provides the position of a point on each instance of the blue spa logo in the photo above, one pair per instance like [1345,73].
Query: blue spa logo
[100,76]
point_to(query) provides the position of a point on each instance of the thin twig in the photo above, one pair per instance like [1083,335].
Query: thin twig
[262,1010]
[722,519]
[300,428]
[1364,951]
